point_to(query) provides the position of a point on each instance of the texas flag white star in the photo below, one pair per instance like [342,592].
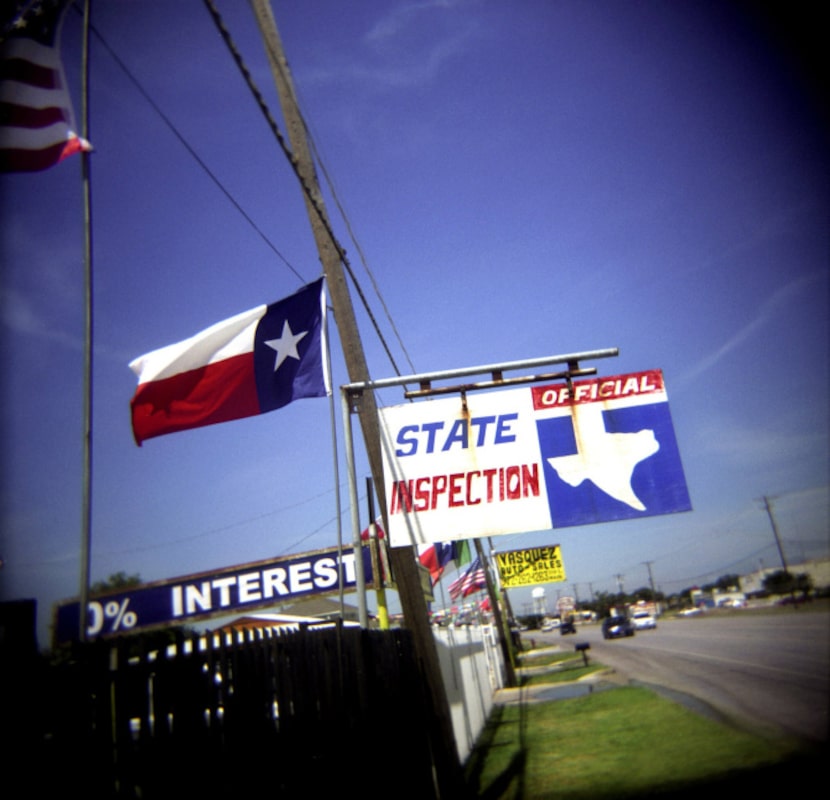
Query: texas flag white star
[286,345]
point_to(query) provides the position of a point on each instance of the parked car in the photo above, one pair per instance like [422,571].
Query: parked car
[549,625]
[567,626]
[642,620]
[615,627]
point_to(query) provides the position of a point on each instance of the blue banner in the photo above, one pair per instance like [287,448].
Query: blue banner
[227,591]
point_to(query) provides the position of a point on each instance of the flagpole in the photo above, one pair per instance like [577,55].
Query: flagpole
[333,416]
[86,502]
[378,575]
[506,648]
[360,577]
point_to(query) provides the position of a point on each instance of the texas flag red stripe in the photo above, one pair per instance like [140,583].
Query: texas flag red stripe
[218,392]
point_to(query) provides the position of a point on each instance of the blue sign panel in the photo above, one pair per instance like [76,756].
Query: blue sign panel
[651,485]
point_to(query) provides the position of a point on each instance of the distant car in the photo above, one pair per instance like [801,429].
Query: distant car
[642,620]
[549,625]
[567,626]
[615,627]
[732,603]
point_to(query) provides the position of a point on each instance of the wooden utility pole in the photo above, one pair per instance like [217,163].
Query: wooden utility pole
[768,507]
[448,769]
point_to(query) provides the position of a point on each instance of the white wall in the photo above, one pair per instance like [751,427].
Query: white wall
[473,668]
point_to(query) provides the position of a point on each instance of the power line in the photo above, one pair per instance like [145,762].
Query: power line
[311,199]
[272,123]
[357,245]
[168,122]
[330,183]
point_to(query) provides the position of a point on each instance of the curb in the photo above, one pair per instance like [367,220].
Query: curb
[533,694]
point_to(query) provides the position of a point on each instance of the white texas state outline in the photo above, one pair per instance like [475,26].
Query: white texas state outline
[605,459]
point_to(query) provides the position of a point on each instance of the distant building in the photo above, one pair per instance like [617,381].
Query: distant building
[309,613]
[730,598]
[817,569]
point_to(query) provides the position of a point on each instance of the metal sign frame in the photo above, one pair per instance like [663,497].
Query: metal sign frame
[350,394]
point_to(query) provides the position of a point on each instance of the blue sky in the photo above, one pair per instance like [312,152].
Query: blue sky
[523,179]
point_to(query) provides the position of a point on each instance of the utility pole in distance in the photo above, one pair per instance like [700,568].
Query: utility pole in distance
[768,506]
[651,581]
[413,604]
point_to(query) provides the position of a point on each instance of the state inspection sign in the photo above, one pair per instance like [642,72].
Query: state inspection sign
[531,459]
[531,566]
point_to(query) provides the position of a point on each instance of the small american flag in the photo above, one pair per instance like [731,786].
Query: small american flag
[471,581]
[37,126]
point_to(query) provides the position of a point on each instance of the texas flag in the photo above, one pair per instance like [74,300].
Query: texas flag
[257,361]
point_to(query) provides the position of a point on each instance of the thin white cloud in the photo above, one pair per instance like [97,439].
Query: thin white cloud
[767,312]
[409,46]
[18,314]
[398,19]
[747,446]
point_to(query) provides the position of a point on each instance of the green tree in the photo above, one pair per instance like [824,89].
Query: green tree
[724,583]
[605,601]
[645,593]
[784,582]
[118,580]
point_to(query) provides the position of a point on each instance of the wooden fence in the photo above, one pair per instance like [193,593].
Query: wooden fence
[310,713]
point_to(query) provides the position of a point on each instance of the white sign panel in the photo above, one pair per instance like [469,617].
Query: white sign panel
[531,459]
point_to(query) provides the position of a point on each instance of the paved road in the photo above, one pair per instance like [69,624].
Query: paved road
[767,672]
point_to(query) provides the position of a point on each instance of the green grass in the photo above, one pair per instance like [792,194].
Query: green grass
[566,675]
[616,743]
[564,666]
[545,658]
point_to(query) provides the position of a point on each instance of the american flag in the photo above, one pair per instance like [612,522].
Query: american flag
[37,127]
[471,581]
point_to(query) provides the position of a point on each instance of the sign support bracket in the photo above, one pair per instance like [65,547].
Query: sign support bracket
[426,379]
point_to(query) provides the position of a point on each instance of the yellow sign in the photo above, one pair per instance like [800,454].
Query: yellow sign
[527,567]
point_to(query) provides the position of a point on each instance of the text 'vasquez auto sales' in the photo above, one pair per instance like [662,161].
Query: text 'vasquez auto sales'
[529,567]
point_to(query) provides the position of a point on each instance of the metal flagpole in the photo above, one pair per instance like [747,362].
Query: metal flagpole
[86,503]
[360,577]
[377,565]
[506,649]
[333,415]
